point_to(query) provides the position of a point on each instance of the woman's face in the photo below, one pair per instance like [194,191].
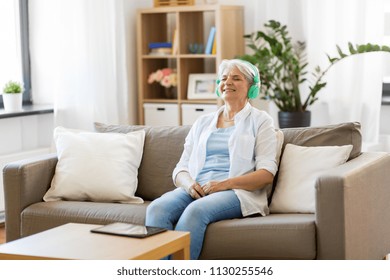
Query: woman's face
[233,86]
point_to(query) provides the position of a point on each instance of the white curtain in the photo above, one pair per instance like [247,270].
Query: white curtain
[353,91]
[79,60]
[354,85]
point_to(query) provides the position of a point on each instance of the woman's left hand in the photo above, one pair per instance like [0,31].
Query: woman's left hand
[213,186]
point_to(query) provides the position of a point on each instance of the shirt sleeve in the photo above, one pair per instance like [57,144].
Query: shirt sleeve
[182,165]
[267,147]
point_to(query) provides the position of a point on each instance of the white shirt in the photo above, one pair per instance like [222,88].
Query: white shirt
[252,146]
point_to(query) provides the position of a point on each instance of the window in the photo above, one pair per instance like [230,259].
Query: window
[14,49]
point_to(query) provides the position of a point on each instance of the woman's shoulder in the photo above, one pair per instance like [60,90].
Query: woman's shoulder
[260,115]
[206,118]
[202,121]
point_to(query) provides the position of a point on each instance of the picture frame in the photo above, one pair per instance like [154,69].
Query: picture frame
[202,86]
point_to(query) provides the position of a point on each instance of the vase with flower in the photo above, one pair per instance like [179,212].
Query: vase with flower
[167,78]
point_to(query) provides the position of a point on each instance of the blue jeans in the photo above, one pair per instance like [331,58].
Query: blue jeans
[178,210]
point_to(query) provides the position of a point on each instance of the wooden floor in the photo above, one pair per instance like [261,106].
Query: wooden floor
[2,234]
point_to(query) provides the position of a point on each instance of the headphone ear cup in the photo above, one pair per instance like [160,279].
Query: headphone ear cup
[253,92]
[216,88]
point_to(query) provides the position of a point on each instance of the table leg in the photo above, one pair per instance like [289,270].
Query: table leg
[183,254]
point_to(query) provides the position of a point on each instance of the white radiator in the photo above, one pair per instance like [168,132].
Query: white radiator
[4,159]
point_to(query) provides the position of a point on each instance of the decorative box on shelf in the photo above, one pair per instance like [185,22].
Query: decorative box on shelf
[157,114]
[190,112]
[164,3]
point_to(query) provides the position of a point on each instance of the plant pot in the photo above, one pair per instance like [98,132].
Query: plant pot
[294,119]
[12,102]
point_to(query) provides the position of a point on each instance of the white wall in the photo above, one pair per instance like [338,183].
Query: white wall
[26,133]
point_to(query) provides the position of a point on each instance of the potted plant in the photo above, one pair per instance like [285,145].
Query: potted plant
[282,66]
[13,96]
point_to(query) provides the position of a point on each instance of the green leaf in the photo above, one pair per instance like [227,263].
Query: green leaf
[351,48]
[342,55]
[13,87]
[361,48]
[331,60]
[385,48]
[303,66]
[253,47]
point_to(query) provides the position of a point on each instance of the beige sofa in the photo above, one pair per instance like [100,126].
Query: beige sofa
[351,220]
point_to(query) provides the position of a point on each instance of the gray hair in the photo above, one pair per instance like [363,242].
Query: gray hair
[246,68]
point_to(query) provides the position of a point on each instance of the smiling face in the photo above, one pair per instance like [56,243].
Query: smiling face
[234,86]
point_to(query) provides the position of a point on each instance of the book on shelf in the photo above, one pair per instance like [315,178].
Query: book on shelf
[161,51]
[157,45]
[214,49]
[175,42]
[210,40]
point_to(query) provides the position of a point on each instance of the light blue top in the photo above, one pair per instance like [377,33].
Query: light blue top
[217,164]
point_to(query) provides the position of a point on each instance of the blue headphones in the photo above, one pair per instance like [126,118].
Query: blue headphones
[254,90]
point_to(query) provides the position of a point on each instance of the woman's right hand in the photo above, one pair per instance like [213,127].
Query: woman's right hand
[196,191]
[183,180]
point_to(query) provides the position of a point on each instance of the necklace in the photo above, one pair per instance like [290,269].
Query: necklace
[226,119]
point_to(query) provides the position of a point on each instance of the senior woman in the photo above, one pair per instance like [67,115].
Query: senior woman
[229,157]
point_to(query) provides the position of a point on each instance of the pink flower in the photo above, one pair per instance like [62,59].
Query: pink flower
[158,75]
[166,82]
[151,78]
[167,77]
[166,71]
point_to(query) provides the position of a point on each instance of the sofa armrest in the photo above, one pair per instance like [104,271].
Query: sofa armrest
[25,183]
[353,209]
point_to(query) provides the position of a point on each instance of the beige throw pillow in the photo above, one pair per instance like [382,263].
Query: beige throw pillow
[96,167]
[300,167]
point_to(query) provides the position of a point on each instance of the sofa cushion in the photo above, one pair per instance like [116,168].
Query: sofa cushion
[96,167]
[276,236]
[330,135]
[299,169]
[45,215]
[162,150]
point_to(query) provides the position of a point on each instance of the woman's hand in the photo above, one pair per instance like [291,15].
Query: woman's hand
[183,180]
[214,186]
[196,191]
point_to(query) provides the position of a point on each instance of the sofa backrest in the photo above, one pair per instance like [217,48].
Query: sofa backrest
[162,150]
[164,146]
[330,135]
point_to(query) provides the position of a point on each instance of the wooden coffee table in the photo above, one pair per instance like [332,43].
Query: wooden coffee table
[75,241]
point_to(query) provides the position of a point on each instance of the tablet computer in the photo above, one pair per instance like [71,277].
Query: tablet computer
[130,230]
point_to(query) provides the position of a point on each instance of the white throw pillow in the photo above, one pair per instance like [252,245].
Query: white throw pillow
[299,169]
[101,167]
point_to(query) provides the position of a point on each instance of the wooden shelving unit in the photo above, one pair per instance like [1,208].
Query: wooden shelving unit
[193,24]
